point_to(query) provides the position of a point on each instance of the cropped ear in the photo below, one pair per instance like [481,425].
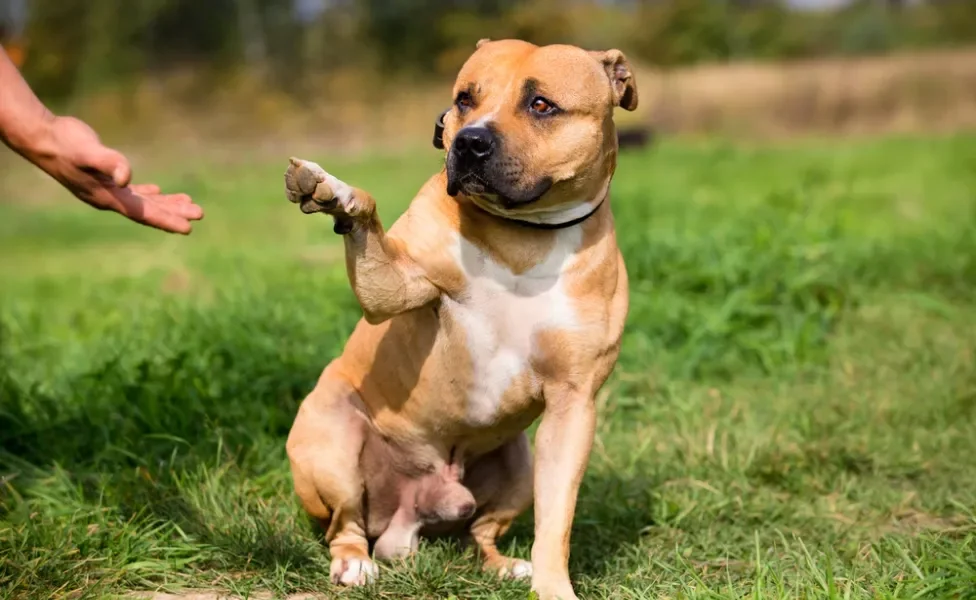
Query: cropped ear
[481,43]
[623,84]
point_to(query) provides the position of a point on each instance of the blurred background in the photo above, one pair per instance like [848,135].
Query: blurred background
[379,70]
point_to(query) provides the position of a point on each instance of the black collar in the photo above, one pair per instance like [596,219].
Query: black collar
[550,226]
[439,144]
[439,130]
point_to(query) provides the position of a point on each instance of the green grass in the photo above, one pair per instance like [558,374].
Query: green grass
[793,414]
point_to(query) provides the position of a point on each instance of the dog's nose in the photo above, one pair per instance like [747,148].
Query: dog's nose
[474,143]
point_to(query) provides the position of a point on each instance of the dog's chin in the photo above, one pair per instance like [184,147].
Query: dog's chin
[526,197]
[502,196]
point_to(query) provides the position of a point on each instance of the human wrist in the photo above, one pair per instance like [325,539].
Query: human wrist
[32,135]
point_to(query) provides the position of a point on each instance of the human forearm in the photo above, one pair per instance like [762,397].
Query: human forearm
[69,151]
[23,117]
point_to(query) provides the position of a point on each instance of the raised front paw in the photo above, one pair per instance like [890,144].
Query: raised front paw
[308,185]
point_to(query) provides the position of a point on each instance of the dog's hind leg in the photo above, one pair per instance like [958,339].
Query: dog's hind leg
[324,447]
[501,483]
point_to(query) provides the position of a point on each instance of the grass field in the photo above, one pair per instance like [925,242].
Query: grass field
[793,414]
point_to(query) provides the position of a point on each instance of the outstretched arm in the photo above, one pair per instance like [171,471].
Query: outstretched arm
[69,151]
[384,278]
[22,116]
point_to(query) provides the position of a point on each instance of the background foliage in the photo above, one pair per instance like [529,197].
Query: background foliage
[75,46]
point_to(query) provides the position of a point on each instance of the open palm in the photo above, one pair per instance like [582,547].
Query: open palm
[100,176]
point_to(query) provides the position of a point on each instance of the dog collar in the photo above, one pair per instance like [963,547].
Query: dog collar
[563,225]
[543,225]
[439,130]
[439,144]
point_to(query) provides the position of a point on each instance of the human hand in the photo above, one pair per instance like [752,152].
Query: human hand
[69,150]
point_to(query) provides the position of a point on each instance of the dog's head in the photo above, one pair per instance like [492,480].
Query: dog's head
[531,131]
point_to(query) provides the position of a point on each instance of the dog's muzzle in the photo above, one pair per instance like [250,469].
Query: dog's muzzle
[471,150]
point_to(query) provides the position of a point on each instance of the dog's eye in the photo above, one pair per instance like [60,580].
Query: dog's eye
[542,106]
[464,100]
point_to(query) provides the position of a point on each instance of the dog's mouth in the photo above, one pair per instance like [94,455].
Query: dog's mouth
[475,185]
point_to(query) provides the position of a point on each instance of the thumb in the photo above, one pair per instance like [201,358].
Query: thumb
[111,163]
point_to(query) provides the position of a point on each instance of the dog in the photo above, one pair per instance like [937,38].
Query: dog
[498,297]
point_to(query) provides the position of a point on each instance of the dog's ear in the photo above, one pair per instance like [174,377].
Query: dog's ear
[623,84]
[481,43]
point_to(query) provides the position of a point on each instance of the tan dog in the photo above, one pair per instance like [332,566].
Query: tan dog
[499,295]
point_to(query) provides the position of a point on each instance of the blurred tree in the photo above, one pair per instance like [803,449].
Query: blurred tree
[13,21]
[182,31]
[539,21]
[954,20]
[53,30]
[865,27]
[682,31]
[405,32]
[251,31]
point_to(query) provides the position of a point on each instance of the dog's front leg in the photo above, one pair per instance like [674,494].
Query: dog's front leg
[562,450]
[386,281]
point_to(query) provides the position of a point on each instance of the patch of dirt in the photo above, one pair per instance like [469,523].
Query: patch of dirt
[914,521]
[213,595]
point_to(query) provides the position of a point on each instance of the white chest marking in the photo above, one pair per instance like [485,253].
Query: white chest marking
[501,312]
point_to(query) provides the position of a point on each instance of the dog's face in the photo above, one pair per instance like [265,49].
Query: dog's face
[531,129]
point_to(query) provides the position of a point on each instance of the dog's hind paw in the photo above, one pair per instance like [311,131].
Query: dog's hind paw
[558,592]
[353,571]
[509,568]
[516,569]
